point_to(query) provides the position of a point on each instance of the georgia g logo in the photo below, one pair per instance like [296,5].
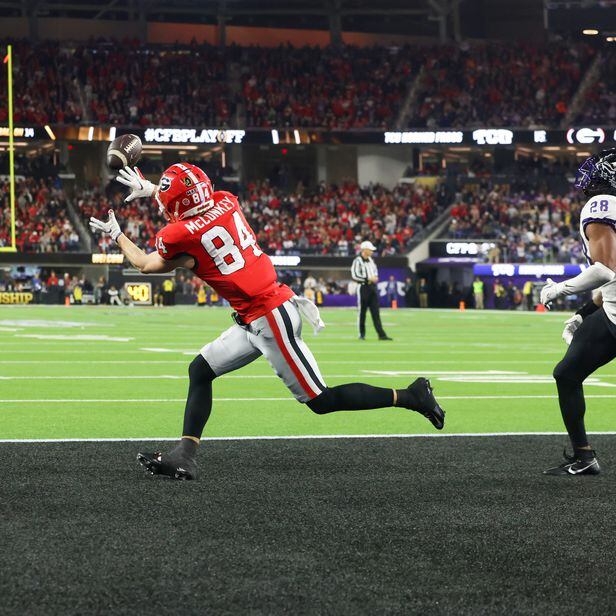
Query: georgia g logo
[165,183]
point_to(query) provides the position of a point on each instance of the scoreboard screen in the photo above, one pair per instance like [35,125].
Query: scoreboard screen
[139,292]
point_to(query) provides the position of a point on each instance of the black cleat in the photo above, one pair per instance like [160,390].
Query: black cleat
[173,466]
[385,338]
[362,337]
[425,403]
[576,465]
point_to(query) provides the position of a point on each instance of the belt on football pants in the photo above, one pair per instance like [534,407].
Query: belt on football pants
[239,321]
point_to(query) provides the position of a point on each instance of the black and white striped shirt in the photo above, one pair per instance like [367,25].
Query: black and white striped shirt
[364,269]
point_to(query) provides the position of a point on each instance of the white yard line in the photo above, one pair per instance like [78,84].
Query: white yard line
[65,377]
[297,437]
[285,399]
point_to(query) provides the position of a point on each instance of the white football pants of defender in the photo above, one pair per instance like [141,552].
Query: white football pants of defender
[277,336]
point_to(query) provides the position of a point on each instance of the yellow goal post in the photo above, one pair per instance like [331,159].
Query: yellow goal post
[8,61]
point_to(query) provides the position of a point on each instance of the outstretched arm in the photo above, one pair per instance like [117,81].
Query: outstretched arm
[151,263]
[602,244]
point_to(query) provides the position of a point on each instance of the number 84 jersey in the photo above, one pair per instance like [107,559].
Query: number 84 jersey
[601,209]
[227,257]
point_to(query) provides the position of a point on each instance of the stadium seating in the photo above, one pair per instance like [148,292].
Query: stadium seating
[128,83]
[140,219]
[42,221]
[531,227]
[331,220]
[600,104]
[50,94]
[335,88]
[499,84]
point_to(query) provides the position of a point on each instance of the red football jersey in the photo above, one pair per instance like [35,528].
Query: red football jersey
[227,257]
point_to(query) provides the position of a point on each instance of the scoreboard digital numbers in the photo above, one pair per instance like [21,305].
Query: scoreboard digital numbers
[139,292]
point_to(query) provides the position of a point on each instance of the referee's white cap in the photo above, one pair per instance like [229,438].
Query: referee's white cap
[367,245]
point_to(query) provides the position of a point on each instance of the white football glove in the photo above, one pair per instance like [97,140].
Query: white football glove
[551,291]
[571,326]
[139,186]
[111,227]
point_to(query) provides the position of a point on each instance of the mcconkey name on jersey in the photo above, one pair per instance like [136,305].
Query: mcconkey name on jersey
[227,257]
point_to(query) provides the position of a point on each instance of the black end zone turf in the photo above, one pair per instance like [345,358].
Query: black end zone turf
[387,526]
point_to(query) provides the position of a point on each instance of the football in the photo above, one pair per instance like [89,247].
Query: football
[124,150]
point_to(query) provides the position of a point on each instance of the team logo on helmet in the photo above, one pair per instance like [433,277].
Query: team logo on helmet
[597,168]
[165,183]
[187,181]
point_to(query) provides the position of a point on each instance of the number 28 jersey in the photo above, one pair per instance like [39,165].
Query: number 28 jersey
[227,257]
[600,209]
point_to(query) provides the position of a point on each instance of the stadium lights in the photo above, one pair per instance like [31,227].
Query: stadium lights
[275,137]
[611,39]
[112,133]
[91,133]
[590,32]
[50,132]
[297,137]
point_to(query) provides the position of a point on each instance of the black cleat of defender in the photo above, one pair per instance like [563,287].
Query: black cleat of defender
[425,402]
[175,467]
[576,465]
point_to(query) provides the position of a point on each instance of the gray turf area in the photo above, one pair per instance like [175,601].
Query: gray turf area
[356,526]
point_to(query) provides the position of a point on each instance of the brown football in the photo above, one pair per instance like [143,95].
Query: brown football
[124,150]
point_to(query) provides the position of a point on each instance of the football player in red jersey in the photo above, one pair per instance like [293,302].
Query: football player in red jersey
[208,234]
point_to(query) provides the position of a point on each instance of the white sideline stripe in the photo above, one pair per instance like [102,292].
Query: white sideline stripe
[297,437]
[288,398]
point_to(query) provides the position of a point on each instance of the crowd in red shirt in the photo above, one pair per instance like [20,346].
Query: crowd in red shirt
[47,91]
[499,84]
[334,219]
[331,220]
[341,88]
[42,220]
[129,83]
[600,103]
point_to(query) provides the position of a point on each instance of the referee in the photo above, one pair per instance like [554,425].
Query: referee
[365,273]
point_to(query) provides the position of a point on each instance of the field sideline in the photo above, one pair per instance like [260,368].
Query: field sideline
[120,373]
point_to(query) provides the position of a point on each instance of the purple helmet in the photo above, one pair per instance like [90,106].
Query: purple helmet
[596,171]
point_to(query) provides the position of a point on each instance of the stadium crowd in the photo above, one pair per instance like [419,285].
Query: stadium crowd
[42,221]
[342,88]
[330,220]
[531,227]
[499,84]
[334,219]
[600,104]
[128,83]
[50,93]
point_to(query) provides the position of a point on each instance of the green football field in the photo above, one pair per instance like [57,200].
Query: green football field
[101,372]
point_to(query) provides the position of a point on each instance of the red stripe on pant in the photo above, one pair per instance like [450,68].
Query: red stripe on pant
[285,352]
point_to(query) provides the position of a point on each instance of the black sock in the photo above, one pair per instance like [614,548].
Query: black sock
[361,397]
[583,454]
[186,448]
[352,397]
[406,398]
[573,408]
[198,405]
